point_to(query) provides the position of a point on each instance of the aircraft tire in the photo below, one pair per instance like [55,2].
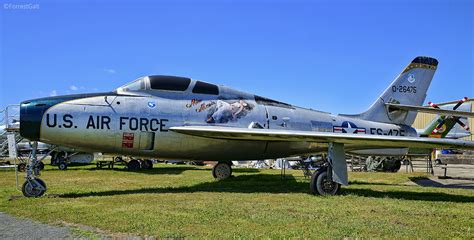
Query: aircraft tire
[320,185]
[397,166]
[149,164]
[21,167]
[62,166]
[29,190]
[133,165]
[146,164]
[221,170]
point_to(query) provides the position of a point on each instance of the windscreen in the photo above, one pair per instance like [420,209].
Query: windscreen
[136,85]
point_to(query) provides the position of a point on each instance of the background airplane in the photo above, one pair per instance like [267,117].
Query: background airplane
[448,126]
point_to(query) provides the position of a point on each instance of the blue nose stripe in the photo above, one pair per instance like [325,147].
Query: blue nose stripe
[31,112]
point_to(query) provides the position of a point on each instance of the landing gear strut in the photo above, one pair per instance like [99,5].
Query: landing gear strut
[33,186]
[328,178]
[222,170]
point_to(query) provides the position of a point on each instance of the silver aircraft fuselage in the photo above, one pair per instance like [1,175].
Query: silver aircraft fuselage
[135,121]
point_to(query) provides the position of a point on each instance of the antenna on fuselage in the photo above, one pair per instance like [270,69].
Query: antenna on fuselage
[105,99]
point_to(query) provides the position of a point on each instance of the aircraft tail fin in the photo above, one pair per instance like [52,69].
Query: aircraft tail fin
[428,131]
[408,88]
[448,126]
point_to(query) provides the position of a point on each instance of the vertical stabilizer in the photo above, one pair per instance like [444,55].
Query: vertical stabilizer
[408,88]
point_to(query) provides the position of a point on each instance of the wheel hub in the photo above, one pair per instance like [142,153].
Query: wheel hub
[328,185]
[30,190]
[222,171]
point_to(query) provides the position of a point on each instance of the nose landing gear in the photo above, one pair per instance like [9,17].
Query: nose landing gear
[34,186]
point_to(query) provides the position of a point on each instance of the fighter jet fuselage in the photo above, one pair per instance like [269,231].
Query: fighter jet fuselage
[135,120]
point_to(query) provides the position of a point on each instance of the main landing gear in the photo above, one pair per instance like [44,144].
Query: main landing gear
[33,186]
[222,170]
[331,173]
[322,183]
[137,164]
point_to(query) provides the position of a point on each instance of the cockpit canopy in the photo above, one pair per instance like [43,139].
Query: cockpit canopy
[175,84]
[169,83]
[157,82]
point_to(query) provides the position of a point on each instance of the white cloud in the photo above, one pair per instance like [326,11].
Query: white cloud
[76,88]
[110,71]
[53,93]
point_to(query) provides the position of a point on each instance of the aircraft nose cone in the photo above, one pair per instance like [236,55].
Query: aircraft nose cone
[31,114]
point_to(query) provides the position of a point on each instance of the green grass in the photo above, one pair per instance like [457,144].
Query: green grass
[185,201]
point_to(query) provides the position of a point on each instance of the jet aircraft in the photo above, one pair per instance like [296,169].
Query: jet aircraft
[168,117]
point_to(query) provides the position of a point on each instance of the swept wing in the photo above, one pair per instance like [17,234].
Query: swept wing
[321,137]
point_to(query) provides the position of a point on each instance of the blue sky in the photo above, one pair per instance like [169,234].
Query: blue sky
[335,56]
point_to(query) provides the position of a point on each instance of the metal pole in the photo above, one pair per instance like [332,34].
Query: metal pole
[16,175]
[6,117]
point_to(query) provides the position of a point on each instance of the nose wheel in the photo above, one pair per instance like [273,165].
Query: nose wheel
[34,186]
[222,170]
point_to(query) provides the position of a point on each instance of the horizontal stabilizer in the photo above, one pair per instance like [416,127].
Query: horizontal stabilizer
[443,112]
[321,137]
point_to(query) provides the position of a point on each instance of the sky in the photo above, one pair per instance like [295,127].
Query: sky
[334,56]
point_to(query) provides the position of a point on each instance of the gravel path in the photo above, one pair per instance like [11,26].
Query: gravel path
[17,228]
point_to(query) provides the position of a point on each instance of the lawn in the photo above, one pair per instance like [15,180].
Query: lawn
[185,201]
